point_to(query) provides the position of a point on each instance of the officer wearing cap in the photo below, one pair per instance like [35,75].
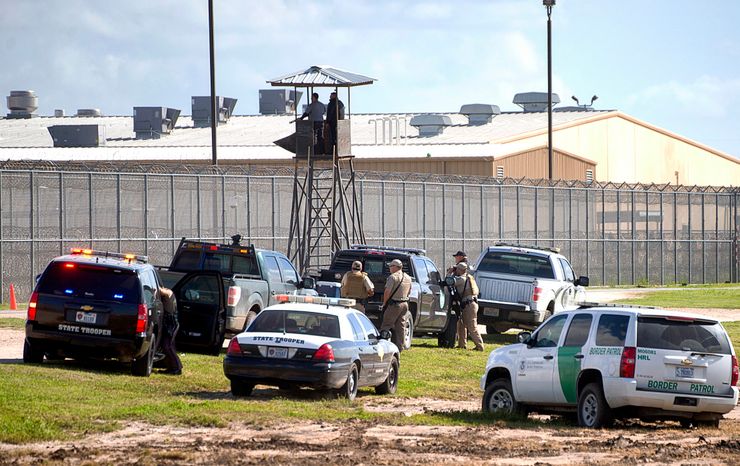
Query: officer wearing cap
[396,302]
[468,291]
[357,285]
[459,256]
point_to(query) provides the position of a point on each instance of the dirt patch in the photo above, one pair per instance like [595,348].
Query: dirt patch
[11,344]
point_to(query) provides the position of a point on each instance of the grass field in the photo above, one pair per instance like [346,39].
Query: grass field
[58,400]
[695,297]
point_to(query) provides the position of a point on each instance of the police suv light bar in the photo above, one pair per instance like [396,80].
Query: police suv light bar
[292,298]
[118,255]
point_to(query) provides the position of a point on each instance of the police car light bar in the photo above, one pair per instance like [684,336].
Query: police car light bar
[292,298]
[117,255]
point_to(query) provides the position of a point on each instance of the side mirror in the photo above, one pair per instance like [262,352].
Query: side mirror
[308,283]
[524,337]
[385,334]
[372,337]
[434,277]
[582,281]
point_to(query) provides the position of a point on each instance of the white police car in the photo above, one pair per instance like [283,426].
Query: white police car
[312,341]
[613,361]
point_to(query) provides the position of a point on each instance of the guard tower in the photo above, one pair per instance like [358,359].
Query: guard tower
[325,214]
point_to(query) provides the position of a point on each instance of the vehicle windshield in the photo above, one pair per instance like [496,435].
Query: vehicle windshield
[300,322]
[90,282]
[516,264]
[373,264]
[691,335]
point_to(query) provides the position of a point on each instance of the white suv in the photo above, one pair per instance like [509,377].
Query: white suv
[617,361]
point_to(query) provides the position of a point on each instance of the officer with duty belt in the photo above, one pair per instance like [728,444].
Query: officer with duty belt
[396,302]
[468,291]
[357,285]
[459,256]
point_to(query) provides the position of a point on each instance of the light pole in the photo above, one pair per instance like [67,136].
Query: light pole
[549,4]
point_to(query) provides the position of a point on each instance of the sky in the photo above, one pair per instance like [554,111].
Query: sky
[674,64]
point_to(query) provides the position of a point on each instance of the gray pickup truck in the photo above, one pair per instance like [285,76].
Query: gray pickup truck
[250,278]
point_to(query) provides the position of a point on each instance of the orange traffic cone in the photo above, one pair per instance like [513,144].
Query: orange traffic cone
[13,303]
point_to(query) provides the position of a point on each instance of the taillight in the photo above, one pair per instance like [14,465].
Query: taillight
[536,294]
[234,349]
[735,372]
[627,364]
[32,305]
[235,294]
[141,319]
[324,353]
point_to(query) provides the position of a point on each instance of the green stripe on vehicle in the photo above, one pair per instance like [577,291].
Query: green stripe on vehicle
[568,369]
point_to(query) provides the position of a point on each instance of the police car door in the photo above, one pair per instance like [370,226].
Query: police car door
[426,300]
[537,363]
[367,351]
[200,307]
[570,358]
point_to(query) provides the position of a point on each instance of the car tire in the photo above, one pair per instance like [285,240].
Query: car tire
[241,388]
[390,384]
[250,317]
[349,389]
[499,399]
[219,335]
[446,338]
[593,410]
[31,353]
[492,329]
[409,335]
[142,367]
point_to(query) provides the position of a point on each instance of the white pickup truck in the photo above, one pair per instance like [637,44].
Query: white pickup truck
[521,286]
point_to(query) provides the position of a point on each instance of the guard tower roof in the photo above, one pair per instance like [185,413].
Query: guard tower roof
[322,76]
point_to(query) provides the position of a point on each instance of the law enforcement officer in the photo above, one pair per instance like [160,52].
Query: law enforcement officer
[459,256]
[396,302]
[357,285]
[468,291]
[169,331]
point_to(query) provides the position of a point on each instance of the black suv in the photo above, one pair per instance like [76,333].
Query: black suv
[427,301]
[92,304]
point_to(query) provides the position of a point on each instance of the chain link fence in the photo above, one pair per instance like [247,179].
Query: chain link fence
[615,234]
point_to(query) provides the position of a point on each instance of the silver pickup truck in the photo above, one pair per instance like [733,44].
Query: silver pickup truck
[521,286]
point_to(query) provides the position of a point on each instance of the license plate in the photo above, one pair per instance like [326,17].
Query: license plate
[491,312]
[86,317]
[281,353]
[685,372]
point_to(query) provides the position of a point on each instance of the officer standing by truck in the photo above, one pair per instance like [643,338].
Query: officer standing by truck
[468,291]
[357,285]
[169,332]
[459,256]
[396,302]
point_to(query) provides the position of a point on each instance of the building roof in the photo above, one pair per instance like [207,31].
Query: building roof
[322,76]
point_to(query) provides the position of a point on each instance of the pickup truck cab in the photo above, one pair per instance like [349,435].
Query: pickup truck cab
[428,313]
[249,279]
[611,361]
[521,286]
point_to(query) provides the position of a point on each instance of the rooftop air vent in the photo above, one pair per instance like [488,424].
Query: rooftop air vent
[479,114]
[430,125]
[59,112]
[22,104]
[201,107]
[77,135]
[153,122]
[534,101]
[278,101]
[89,112]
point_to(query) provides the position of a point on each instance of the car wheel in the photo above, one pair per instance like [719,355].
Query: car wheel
[241,388]
[492,329]
[446,338]
[389,386]
[250,317]
[593,410]
[219,335]
[31,353]
[142,367]
[409,332]
[349,389]
[499,399]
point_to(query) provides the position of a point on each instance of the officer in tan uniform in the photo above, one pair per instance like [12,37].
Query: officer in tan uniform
[459,256]
[396,302]
[357,285]
[468,291]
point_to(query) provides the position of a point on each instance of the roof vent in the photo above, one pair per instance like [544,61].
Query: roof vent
[22,104]
[430,125]
[479,114]
[59,112]
[77,135]
[278,101]
[201,108]
[534,101]
[153,122]
[89,112]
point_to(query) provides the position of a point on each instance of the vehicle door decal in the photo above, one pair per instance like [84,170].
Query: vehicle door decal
[568,369]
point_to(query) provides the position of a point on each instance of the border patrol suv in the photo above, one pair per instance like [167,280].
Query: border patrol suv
[615,361]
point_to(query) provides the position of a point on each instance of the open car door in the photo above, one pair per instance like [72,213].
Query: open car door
[201,310]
